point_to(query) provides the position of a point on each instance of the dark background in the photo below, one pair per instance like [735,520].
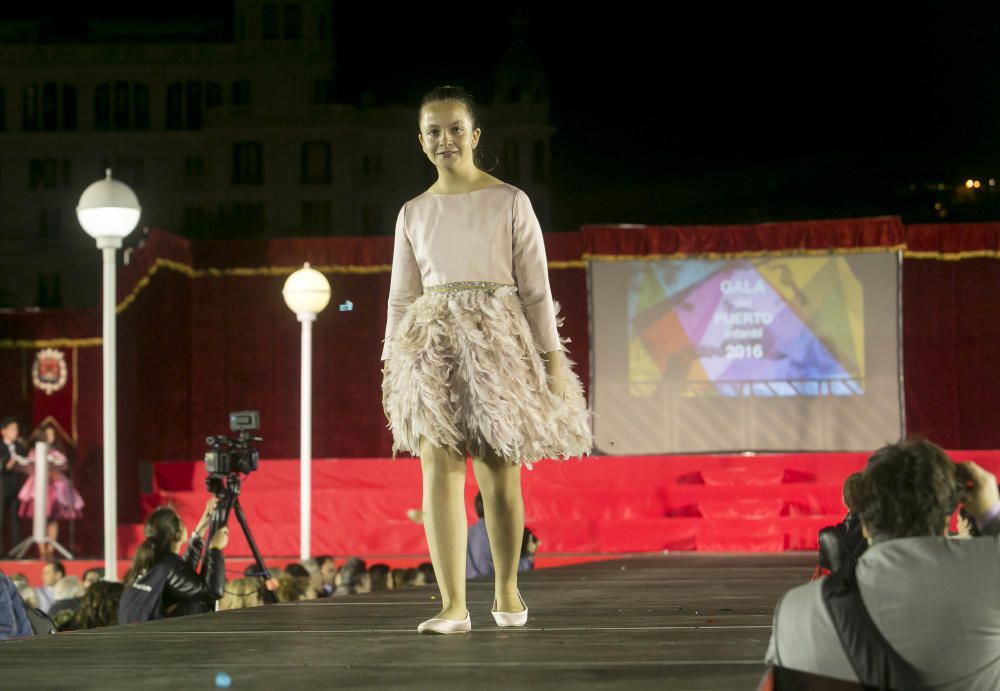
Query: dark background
[707,115]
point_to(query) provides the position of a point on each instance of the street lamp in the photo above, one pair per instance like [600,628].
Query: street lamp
[109,211]
[307,293]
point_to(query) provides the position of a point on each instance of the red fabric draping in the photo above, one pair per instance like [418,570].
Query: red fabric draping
[195,345]
[953,238]
[788,237]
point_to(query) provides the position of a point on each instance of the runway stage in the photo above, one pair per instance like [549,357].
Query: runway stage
[692,621]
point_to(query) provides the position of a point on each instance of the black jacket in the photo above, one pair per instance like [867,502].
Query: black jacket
[173,587]
[11,479]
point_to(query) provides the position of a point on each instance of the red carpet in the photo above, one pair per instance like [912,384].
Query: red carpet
[603,505]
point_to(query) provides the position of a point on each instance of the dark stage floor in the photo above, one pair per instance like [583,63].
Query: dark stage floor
[655,622]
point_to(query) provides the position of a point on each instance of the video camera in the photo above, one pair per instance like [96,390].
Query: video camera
[233,456]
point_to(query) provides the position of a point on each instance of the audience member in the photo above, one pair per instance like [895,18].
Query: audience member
[315,577]
[161,582]
[479,558]
[840,545]
[52,573]
[293,588]
[931,599]
[13,464]
[91,576]
[403,578]
[349,576]
[425,572]
[375,579]
[67,595]
[13,618]
[328,569]
[99,606]
[242,592]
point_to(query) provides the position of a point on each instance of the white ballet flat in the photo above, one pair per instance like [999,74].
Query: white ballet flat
[510,618]
[446,625]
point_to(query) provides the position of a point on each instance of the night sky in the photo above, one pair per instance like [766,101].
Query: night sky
[712,115]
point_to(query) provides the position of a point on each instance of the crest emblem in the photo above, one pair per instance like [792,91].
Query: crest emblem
[49,371]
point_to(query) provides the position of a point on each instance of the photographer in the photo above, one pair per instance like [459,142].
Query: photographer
[163,584]
[931,600]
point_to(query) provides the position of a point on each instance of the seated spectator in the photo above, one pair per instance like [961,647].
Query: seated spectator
[932,599]
[842,544]
[26,591]
[349,577]
[91,576]
[403,578]
[241,593]
[99,607]
[315,577]
[479,558]
[68,593]
[13,618]
[375,579]
[52,572]
[163,584]
[328,569]
[293,588]
[425,574]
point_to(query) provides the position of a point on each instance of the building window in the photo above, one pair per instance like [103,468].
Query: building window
[371,219]
[213,94]
[121,106]
[293,20]
[102,107]
[69,105]
[194,168]
[49,291]
[193,105]
[49,224]
[316,163]
[50,106]
[269,21]
[248,219]
[316,218]
[511,164]
[29,108]
[43,173]
[175,104]
[247,164]
[140,106]
[241,93]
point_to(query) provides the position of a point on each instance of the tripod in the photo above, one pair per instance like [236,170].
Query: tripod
[227,491]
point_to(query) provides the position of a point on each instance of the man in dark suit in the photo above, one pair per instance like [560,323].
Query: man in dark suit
[11,479]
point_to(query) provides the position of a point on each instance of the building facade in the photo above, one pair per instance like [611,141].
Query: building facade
[231,136]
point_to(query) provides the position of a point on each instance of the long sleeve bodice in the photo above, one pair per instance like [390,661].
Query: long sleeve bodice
[490,234]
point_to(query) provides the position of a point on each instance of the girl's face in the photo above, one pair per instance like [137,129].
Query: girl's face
[446,135]
[50,436]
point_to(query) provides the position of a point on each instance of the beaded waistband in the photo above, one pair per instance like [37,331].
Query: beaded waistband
[488,286]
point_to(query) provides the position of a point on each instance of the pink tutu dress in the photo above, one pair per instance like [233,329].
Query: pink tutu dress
[63,503]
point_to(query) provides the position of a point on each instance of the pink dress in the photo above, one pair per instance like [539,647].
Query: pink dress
[470,314]
[64,503]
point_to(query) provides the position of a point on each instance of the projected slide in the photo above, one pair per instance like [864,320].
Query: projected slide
[768,327]
[770,353]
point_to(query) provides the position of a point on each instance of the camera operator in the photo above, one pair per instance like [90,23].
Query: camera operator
[930,599]
[163,584]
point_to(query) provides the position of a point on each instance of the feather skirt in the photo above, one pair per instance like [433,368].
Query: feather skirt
[464,371]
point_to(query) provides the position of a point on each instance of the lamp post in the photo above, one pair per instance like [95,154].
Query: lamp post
[307,293]
[109,211]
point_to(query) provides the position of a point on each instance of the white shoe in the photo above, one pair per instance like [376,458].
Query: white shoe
[446,625]
[510,618]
